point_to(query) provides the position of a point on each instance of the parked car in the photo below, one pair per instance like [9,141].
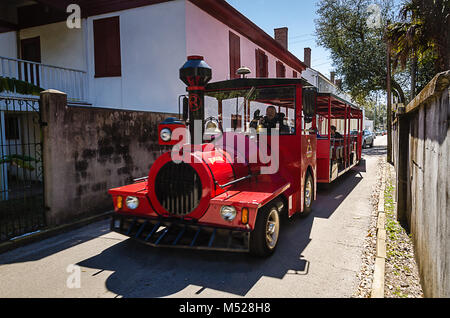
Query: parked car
[368,138]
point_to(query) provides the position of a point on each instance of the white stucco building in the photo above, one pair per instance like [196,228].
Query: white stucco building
[127,55]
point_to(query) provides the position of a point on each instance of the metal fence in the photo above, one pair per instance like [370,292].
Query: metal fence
[21,170]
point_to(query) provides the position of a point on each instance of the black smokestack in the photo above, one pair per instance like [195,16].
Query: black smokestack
[195,73]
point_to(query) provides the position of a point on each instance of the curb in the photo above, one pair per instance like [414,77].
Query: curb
[46,233]
[380,259]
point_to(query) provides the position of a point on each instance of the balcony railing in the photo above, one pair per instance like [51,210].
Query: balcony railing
[70,81]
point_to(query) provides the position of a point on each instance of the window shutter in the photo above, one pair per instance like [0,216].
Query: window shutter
[266,65]
[281,69]
[107,47]
[261,63]
[235,54]
[258,63]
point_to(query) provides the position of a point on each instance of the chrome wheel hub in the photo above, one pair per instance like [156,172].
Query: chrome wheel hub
[308,193]
[272,228]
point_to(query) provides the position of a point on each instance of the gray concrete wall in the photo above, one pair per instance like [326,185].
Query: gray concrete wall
[422,160]
[89,150]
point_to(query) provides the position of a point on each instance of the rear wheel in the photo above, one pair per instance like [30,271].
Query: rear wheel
[308,194]
[264,238]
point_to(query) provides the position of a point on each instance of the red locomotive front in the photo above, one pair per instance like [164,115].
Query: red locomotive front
[230,177]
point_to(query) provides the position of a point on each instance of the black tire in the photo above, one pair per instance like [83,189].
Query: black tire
[308,195]
[371,145]
[264,238]
[364,144]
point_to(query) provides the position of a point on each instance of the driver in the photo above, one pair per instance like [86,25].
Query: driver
[270,120]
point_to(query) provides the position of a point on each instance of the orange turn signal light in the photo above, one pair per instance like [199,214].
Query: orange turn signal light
[244,215]
[119,202]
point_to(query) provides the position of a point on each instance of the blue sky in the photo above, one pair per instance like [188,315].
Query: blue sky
[298,16]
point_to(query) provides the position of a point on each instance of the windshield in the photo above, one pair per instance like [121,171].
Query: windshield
[255,107]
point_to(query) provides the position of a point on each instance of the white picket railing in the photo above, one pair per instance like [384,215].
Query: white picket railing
[70,81]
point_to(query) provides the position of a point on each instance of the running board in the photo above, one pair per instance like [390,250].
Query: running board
[180,234]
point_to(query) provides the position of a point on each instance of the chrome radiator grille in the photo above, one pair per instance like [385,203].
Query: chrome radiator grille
[178,188]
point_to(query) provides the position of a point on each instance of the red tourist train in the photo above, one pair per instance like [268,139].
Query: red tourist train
[231,178]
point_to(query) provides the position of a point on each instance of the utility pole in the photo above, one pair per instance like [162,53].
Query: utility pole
[389,101]
[375,110]
[413,77]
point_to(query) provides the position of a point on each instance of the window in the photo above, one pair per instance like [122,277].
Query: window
[253,108]
[30,50]
[235,54]
[12,128]
[107,47]
[281,69]
[294,74]
[261,64]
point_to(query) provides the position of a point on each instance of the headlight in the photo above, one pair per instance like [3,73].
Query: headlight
[165,134]
[132,202]
[228,212]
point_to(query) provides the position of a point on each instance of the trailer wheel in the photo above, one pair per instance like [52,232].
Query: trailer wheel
[308,193]
[264,238]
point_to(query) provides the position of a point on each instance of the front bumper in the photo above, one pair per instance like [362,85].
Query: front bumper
[177,233]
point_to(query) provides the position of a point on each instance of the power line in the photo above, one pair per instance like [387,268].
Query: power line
[321,59]
[300,36]
[301,41]
[315,65]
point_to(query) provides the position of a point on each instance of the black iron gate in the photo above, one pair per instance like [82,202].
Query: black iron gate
[21,167]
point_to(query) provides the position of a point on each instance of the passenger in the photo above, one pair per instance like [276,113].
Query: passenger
[284,128]
[334,133]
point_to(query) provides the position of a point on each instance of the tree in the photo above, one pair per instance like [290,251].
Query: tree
[423,33]
[358,48]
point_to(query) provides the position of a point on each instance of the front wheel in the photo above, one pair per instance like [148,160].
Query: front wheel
[264,238]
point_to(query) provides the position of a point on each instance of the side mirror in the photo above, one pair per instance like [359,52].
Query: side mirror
[309,103]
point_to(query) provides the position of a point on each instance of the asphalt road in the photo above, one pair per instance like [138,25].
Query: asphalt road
[318,256]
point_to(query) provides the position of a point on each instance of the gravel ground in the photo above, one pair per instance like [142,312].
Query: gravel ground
[401,274]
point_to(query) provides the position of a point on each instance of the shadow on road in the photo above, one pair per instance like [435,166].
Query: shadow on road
[142,271]
[56,244]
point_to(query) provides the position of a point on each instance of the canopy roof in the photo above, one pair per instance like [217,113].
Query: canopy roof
[240,83]
[337,105]
[275,91]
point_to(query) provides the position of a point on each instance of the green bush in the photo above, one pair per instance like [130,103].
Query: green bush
[8,84]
